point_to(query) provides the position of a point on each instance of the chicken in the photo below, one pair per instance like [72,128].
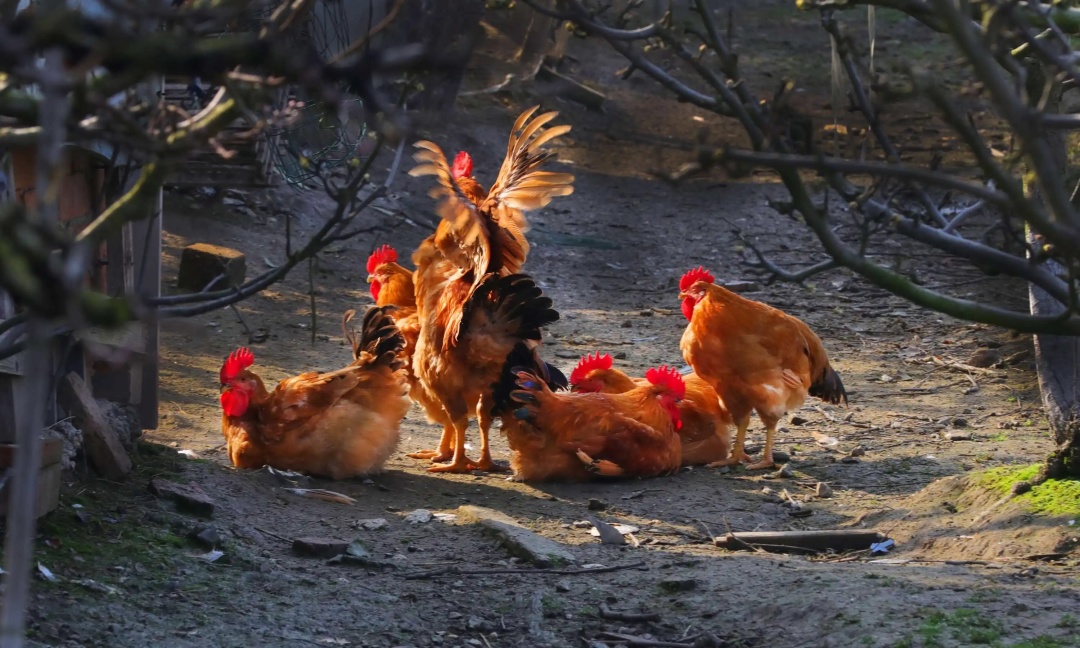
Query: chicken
[756,357]
[706,424]
[479,241]
[573,436]
[338,424]
[392,285]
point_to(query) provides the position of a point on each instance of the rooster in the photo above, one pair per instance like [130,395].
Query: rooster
[575,436]
[338,424]
[479,242]
[756,357]
[392,285]
[706,424]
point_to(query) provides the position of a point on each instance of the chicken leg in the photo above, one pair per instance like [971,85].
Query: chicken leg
[459,463]
[484,421]
[737,454]
[766,453]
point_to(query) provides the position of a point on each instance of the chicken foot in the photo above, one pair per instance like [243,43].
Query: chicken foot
[766,454]
[445,451]
[737,455]
[459,462]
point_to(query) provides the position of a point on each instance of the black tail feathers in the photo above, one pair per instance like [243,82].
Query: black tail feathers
[515,297]
[379,336]
[829,388]
[522,358]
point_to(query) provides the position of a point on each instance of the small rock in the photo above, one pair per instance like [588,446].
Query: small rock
[798,420]
[958,436]
[206,536]
[800,512]
[742,286]
[372,524]
[319,547]
[779,456]
[477,624]
[581,524]
[783,473]
[562,586]
[419,516]
[959,422]
[857,451]
[607,533]
[678,584]
[597,505]
[455,615]
[626,324]
[619,355]
[984,358]
[541,551]
[188,497]
[823,490]
[849,460]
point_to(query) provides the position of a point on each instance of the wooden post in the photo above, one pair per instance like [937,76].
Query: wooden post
[146,236]
[10,370]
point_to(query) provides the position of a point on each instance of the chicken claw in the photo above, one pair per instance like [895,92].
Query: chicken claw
[489,465]
[766,462]
[436,456]
[463,465]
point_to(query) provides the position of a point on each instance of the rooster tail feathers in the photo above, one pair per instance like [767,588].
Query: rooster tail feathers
[507,390]
[379,336]
[514,301]
[829,388]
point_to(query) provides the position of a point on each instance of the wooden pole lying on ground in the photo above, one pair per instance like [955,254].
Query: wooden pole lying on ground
[807,541]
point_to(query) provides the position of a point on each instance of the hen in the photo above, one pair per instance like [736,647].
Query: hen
[392,285]
[706,424]
[338,424]
[756,357]
[480,241]
[572,436]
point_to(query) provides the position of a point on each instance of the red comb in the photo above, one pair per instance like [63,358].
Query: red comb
[589,363]
[693,276]
[669,378]
[385,254]
[462,166]
[237,361]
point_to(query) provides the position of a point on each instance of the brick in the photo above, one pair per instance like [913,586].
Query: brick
[201,263]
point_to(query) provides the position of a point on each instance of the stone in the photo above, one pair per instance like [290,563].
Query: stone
[100,441]
[419,516]
[201,263]
[372,524]
[206,536]
[678,584]
[188,497]
[597,505]
[320,547]
[521,542]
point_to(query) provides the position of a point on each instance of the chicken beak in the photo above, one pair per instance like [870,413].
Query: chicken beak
[370,278]
[683,295]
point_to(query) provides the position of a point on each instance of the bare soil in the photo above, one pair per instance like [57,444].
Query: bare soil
[962,573]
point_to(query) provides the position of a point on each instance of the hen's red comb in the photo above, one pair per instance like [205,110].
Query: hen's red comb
[695,275]
[589,363]
[669,378]
[237,361]
[462,167]
[385,254]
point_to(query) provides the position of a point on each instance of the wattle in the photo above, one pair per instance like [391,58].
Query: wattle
[375,288]
[688,307]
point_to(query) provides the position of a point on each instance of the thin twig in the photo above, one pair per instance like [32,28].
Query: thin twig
[455,571]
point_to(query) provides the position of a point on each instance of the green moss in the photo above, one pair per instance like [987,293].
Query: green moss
[1052,497]
[965,625]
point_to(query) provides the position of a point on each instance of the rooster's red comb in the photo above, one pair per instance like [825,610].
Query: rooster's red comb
[589,363]
[237,361]
[385,254]
[462,167]
[669,378]
[695,275]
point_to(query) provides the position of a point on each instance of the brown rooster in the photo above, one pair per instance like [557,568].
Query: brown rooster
[573,436]
[756,357]
[479,240]
[338,424]
[706,424]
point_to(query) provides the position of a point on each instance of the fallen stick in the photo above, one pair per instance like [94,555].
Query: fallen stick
[456,571]
[628,617]
[837,540]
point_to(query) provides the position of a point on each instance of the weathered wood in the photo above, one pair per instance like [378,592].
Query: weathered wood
[145,379]
[10,368]
[573,90]
[518,540]
[48,486]
[201,263]
[837,540]
[100,442]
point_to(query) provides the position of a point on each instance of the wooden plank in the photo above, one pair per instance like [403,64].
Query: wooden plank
[10,368]
[146,236]
[100,441]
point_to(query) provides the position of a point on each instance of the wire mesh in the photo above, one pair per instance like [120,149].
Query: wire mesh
[319,140]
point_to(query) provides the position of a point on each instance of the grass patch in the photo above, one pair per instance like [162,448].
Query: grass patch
[963,625]
[1053,497]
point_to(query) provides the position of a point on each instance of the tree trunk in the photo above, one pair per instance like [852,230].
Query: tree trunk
[1057,358]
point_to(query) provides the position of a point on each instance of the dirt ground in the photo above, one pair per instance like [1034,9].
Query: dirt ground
[964,571]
